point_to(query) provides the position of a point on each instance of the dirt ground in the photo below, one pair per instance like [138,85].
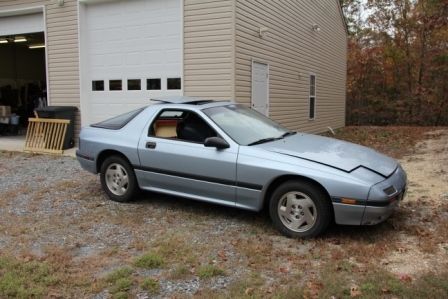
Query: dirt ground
[56,221]
[427,197]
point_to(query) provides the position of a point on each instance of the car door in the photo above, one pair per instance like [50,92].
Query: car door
[182,167]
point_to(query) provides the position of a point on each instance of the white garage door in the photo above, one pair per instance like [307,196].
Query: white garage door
[130,51]
[20,24]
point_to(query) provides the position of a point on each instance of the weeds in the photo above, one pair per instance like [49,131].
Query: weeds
[119,282]
[25,279]
[179,272]
[119,274]
[150,285]
[209,271]
[149,260]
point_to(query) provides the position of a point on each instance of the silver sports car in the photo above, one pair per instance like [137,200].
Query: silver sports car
[225,153]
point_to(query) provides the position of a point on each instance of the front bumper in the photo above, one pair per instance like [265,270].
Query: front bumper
[87,163]
[378,207]
[375,215]
[363,214]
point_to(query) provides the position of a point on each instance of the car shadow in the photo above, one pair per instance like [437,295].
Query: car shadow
[366,233]
[255,220]
[182,204]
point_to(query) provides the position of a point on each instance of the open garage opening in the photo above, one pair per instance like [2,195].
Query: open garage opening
[23,80]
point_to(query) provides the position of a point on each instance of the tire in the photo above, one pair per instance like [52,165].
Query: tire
[300,210]
[118,179]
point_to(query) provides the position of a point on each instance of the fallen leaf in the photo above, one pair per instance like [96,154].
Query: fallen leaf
[55,295]
[222,255]
[312,290]
[355,291]
[405,278]
[401,250]
[249,291]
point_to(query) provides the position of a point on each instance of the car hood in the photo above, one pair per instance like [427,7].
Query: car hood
[332,152]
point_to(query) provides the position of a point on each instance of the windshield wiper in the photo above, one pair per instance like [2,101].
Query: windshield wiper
[264,140]
[288,134]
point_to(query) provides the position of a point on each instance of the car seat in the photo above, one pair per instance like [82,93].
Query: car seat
[193,128]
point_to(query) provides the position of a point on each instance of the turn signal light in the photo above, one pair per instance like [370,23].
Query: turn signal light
[348,201]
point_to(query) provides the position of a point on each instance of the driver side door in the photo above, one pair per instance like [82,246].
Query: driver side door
[183,167]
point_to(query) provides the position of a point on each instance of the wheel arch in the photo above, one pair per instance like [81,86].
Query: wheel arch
[275,183]
[107,153]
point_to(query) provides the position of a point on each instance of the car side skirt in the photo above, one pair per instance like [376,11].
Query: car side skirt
[197,187]
[190,196]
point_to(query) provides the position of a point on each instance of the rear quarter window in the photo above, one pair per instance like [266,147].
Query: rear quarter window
[118,122]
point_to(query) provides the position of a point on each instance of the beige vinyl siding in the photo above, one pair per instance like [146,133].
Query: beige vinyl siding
[294,51]
[209,48]
[62,49]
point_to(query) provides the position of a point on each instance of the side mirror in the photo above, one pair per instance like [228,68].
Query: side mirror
[217,142]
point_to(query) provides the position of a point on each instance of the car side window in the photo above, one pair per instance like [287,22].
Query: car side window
[181,125]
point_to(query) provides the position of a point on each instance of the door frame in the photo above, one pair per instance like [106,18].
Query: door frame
[201,114]
[253,61]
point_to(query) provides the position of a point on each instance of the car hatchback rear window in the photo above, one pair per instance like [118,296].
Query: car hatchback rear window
[119,121]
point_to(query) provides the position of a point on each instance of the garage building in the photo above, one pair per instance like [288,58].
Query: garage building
[285,58]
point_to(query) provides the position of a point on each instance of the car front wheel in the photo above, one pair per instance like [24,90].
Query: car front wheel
[299,209]
[118,179]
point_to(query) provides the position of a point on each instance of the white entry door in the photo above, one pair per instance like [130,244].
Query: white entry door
[260,87]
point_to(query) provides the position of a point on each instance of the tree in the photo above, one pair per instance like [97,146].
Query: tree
[397,61]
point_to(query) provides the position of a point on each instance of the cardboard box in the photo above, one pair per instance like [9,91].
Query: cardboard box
[5,111]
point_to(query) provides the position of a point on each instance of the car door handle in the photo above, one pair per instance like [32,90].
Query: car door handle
[151,145]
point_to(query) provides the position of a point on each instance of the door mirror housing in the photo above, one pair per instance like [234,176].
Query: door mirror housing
[217,142]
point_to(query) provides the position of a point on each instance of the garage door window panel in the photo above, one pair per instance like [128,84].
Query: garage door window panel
[153,84]
[134,84]
[115,85]
[174,84]
[181,125]
[98,85]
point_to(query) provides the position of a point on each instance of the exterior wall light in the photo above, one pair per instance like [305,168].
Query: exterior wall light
[315,28]
[60,2]
[262,31]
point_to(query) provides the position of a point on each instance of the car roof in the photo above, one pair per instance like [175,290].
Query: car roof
[186,100]
[180,100]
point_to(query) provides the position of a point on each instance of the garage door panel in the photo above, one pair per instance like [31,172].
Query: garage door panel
[21,24]
[174,55]
[133,59]
[123,40]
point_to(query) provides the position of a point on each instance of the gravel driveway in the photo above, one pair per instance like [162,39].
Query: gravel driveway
[49,203]
[53,211]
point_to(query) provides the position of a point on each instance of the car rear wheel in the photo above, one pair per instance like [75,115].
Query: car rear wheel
[299,209]
[118,179]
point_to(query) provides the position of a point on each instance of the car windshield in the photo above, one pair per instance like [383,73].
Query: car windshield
[246,126]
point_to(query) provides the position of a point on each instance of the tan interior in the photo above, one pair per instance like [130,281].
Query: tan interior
[165,128]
